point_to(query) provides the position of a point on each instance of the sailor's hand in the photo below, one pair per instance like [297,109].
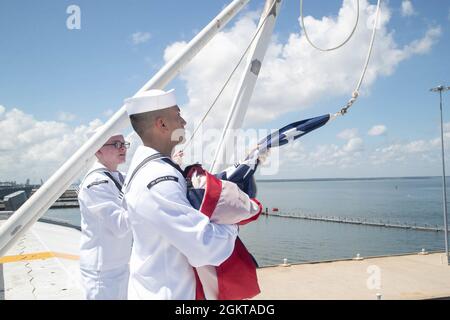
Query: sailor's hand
[178,157]
[263,155]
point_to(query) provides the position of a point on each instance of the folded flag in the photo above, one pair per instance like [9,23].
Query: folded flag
[229,198]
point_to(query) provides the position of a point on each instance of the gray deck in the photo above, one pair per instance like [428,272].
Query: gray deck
[43,265]
[414,276]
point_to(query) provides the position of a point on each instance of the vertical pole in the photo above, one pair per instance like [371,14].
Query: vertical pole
[444,185]
[247,83]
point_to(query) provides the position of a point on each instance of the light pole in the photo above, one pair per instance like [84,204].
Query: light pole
[444,187]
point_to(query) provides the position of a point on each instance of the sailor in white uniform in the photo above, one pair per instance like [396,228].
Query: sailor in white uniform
[170,236]
[106,238]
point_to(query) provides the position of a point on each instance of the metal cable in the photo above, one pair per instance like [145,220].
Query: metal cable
[366,64]
[333,48]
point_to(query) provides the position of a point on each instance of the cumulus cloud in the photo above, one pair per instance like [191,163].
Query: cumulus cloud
[352,156]
[66,116]
[407,8]
[346,155]
[348,134]
[294,76]
[414,151]
[108,113]
[377,130]
[402,152]
[334,155]
[34,149]
[354,145]
[446,126]
[140,37]
[423,45]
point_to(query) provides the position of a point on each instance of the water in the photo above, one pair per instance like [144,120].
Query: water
[70,215]
[404,200]
[271,239]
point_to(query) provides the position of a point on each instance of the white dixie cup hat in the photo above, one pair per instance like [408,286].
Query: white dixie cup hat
[150,100]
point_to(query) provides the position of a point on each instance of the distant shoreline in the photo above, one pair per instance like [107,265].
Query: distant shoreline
[348,179]
[18,185]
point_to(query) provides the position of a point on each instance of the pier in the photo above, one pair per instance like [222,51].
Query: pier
[355,221]
[67,200]
[6,190]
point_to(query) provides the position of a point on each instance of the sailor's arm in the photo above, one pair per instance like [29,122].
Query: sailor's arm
[101,200]
[189,230]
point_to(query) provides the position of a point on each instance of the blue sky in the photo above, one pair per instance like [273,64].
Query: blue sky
[55,82]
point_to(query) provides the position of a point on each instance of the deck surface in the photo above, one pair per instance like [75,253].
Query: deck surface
[43,264]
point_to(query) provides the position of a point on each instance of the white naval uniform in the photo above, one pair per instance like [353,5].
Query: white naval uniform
[106,237]
[170,236]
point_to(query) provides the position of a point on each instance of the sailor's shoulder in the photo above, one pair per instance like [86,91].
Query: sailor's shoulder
[95,178]
[159,167]
[157,172]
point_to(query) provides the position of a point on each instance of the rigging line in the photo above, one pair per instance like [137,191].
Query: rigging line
[230,76]
[334,48]
[371,46]
[366,64]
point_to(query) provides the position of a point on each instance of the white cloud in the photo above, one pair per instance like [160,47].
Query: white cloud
[353,156]
[413,151]
[446,126]
[377,130]
[140,37]
[407,8]
[354,145]
[34,149]
[417,146]
[66,116]
[348,134]
[294,76]
[108,113]
[423,45]
[322,156]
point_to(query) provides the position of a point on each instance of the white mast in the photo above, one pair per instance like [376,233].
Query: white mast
[247,84]
[52,189]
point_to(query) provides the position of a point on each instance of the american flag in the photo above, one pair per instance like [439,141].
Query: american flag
[242,173]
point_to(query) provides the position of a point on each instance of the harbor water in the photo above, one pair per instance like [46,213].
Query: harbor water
[411,201]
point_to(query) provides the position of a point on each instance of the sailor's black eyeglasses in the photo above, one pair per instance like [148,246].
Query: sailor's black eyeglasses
[119,144]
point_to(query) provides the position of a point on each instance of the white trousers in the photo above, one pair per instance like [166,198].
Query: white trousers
[105,285]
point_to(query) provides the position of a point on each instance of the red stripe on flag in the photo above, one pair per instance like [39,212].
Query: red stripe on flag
[212,194]
[256,216]
[236,276]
